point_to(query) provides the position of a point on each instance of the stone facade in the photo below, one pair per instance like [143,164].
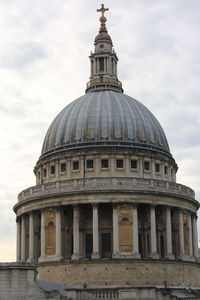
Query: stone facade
[121,273]
[18,281]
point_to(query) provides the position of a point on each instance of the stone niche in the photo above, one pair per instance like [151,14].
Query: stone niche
[125,218]
[50,232]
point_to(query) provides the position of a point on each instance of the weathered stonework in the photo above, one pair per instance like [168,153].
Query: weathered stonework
[122,273]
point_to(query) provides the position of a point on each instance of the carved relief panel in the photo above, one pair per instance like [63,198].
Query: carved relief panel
[186,233]
[125,217]
[50,232]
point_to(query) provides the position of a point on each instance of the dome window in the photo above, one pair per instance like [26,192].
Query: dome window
[53,170]
[133,164]
[119,163]
[44,172]
[63,167]
[104,163]
[89,163]
[146,165]
[76,165]
[157,168]
[166,170]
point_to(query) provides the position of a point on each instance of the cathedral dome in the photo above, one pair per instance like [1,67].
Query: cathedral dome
[102,119]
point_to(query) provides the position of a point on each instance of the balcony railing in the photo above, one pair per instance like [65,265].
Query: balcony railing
[105,184]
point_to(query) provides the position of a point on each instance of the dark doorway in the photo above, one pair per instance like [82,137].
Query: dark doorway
[162,251]
[140,245]
[88,245]
[106,244]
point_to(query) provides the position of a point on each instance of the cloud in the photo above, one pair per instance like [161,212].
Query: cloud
[25,53]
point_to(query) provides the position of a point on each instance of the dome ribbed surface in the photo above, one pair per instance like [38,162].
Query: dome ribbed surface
[105,118]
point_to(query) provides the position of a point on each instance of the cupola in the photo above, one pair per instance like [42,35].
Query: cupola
[103,74]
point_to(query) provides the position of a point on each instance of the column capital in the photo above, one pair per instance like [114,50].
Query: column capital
[95,204]
[168,207]
[153,205]
[75,205]
[134,205]
[115,205]
[194,215]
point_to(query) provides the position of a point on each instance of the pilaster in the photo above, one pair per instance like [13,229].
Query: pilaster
[153,238]
[95,220]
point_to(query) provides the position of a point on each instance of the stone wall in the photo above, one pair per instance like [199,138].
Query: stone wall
[121,273]
[18,281]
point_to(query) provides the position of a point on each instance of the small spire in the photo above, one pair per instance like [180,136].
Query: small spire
[102,19]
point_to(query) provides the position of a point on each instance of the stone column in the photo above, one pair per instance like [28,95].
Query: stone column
[169,254]
[195,236]
[127,166]
[141,167]
[18,242]
[153,253]
[162,166]
[135,233]
[23,239]
[181,237]
[115,232]
[95,220]
[153,167]
[76,234]
[190,235]
[42,237]
[58,234]
[31,238]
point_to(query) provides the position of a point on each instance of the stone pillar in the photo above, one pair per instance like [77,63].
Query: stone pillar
[153,253]
[162,166]
[195,236]
[135,233]
[153,167]
[18,242]
[115,232]
[190,235]
[31,238]
[23,239]
[95,220]
[76,233]
[127,166]
[181,237]
[169,254]
[58,234]
[141,167]
[42,237]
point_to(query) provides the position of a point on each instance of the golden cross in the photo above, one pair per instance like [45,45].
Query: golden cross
[102,9]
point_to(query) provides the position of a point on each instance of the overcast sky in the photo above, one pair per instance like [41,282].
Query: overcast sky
[44,65]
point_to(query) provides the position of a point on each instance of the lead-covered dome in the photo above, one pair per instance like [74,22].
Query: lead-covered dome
[105,118]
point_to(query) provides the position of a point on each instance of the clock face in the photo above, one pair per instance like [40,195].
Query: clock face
[101,46]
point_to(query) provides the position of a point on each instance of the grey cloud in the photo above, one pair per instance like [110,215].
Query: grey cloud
[25,54]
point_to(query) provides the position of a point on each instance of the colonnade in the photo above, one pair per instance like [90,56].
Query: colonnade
[191,253]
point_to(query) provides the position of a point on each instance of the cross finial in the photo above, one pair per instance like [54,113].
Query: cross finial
[102,9]
[102,19]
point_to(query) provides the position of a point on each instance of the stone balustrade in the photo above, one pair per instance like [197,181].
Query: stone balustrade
[103,293]
[103,184]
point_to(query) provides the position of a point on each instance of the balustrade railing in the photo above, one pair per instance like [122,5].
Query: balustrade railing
[102,184]
[95,294]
